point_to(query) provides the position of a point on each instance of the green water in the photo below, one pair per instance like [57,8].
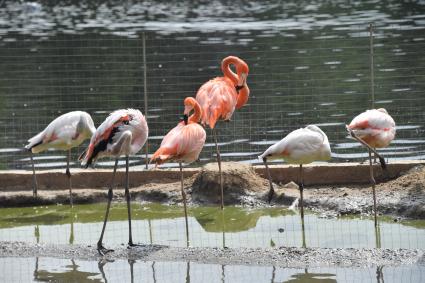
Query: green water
[208,227]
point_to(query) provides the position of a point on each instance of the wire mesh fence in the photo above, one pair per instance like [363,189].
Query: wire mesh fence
[294,81]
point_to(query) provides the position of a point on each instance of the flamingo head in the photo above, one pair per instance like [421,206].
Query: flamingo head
[242,70]
[241,67]
[191,104]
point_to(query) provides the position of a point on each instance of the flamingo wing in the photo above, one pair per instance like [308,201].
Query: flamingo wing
[107,133]
[182,143]
[375,127]
[217,99]
[62,132]
[300,146]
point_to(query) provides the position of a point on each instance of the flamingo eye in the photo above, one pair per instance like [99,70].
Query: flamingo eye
[125,122]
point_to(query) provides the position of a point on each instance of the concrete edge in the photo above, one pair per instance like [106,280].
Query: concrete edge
[314,174]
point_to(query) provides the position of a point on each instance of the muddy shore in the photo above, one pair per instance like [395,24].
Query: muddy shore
[401,195]
[278,257]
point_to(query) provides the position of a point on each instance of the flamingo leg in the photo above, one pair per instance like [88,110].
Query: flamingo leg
[219,167]
[372,180]
[127,197]
[100,248]
[303,244]
[381,159]
[271,191]
[301,186]
[68,174]
[184,204]
[34,177]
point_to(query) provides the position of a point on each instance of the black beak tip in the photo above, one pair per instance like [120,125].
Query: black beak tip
[184,118]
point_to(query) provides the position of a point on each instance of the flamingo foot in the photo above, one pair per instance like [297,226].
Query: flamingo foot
[131,244]
[102,250]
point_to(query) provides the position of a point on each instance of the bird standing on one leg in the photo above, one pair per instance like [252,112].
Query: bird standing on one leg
[220,97]
[301,146]
[65,132]
[124,132]
[183,144]
[373,129]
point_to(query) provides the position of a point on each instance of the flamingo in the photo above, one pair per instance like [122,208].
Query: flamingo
[65,132]
[124,132]
[373,129]
[183,144]
[220,97]
[301,146]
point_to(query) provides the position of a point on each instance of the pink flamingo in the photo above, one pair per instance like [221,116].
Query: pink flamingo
[65,132]
[220,97]
[124,132]
[373,129]
[301,146]
[183,144]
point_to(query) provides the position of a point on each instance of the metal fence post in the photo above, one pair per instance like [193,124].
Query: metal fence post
[372,77]
[145,90]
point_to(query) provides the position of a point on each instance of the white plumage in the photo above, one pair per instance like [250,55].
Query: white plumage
[65,132]
[301,146]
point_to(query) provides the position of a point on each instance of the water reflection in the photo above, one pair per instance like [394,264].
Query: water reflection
[312,277]
[209,226]
[70,273]
[72,270]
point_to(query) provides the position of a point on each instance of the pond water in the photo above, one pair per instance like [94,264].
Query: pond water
[309,63]
[45,269]
[208,227]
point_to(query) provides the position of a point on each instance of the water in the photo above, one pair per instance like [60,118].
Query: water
[208,227]
[309,63]
[236,227]
[66,270]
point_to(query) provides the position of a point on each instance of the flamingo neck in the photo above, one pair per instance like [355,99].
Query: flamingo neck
[225,67]
[197,111]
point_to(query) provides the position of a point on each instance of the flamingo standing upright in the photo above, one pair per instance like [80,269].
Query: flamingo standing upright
[301,146]
[220,97]
[65,132]
[124,132]
[183,144]
[373,129]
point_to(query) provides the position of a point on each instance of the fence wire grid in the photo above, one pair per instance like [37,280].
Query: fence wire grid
[325,80]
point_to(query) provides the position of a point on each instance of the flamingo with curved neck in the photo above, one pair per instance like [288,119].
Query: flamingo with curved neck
[183,144]
[190,104]
[238,79]
[220,97]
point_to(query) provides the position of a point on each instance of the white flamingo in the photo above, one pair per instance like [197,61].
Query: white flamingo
[124,132]
[373,129]
[65,132]
[301,146]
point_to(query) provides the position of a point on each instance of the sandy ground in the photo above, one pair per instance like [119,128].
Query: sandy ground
[278,257]
[401,197]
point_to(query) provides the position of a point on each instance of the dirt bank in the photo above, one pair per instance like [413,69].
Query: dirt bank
[403,196]
[278,257]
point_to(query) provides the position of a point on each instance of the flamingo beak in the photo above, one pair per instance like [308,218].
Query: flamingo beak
[185,119]
[241,82]
[242,79]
